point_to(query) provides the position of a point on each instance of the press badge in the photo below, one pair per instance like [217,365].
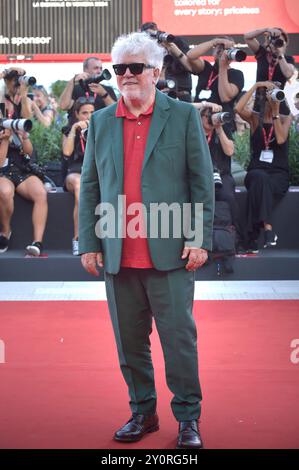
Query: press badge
[267,156]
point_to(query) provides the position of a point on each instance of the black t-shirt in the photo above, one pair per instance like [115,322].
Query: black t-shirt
[175,70]
[220,160]
[74,162]
[280,151]
[263,73]
[264,68]
[210,73]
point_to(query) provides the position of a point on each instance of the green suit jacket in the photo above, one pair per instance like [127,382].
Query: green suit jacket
[176,169]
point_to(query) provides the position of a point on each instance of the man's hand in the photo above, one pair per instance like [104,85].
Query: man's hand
[97,88]
[197,257]
[91,262]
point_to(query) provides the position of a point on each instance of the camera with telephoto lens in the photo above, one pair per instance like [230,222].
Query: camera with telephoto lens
[162,36]
[276,94]
[219,118]
[276,42]
[105,75]
[217,178]
[170,87]
[16,124]
[236,54]
[34,168]
[19,79]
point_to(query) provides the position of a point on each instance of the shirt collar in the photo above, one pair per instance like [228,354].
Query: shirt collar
[122,110]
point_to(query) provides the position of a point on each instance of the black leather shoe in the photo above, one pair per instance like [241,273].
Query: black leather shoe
[189,436]
[136,427]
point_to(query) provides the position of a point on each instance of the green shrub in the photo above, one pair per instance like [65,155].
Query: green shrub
[58,87]
[47,142]
[242,148]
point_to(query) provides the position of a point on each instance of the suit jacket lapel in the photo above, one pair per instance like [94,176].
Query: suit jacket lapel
[159,119]
[116,133]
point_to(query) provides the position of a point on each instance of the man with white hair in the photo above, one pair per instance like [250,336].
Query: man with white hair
[148,148]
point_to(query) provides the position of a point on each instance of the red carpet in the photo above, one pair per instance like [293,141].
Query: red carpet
[60,386]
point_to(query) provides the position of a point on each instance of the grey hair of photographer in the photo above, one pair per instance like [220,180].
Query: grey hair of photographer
[138,44]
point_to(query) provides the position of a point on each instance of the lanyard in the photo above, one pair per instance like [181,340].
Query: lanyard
[82,144]
[271,70]
[211,79]
[209,137]
[267,139]
[271,67]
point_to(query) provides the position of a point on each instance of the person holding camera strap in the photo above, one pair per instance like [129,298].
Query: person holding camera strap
[272,62]
[223,82]
[103,95]
[73,149]
[267,178]
[17,175]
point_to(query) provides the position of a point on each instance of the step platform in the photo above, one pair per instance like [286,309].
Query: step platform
[58,263]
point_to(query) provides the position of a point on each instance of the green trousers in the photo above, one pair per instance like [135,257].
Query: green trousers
[135,297]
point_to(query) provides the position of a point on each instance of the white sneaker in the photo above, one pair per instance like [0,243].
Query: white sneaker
[75,247]
[35,249]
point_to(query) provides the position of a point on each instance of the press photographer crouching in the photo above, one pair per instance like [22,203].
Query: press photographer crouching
[19,175]
[221,147]
[88,84]
[175,66]
[73,148]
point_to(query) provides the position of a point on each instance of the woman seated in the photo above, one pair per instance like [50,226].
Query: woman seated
[17,175]
[267,178]
[73,148]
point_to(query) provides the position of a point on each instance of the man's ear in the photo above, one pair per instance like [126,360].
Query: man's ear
[157,73]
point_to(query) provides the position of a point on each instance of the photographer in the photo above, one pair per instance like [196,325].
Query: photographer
[221,147]
[267,178]
[16,102]
[272,62]
[41,107]
[176,66]
[223,82]
[18,175]
[103,95]
[73,148]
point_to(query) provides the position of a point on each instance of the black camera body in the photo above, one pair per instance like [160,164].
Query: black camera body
[34,168]
[162,36]
[169,87]
[276,42]
[14,75]
[105,75]
[84,133]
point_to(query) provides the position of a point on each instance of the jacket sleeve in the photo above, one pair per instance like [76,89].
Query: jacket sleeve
[90,197]
[201,184]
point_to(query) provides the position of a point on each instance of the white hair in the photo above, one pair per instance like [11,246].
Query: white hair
[138,43]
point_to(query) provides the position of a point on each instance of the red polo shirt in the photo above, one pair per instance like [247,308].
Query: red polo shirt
[135,251]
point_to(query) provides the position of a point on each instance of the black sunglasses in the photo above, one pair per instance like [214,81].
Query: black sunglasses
[85,100]
[136,68]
